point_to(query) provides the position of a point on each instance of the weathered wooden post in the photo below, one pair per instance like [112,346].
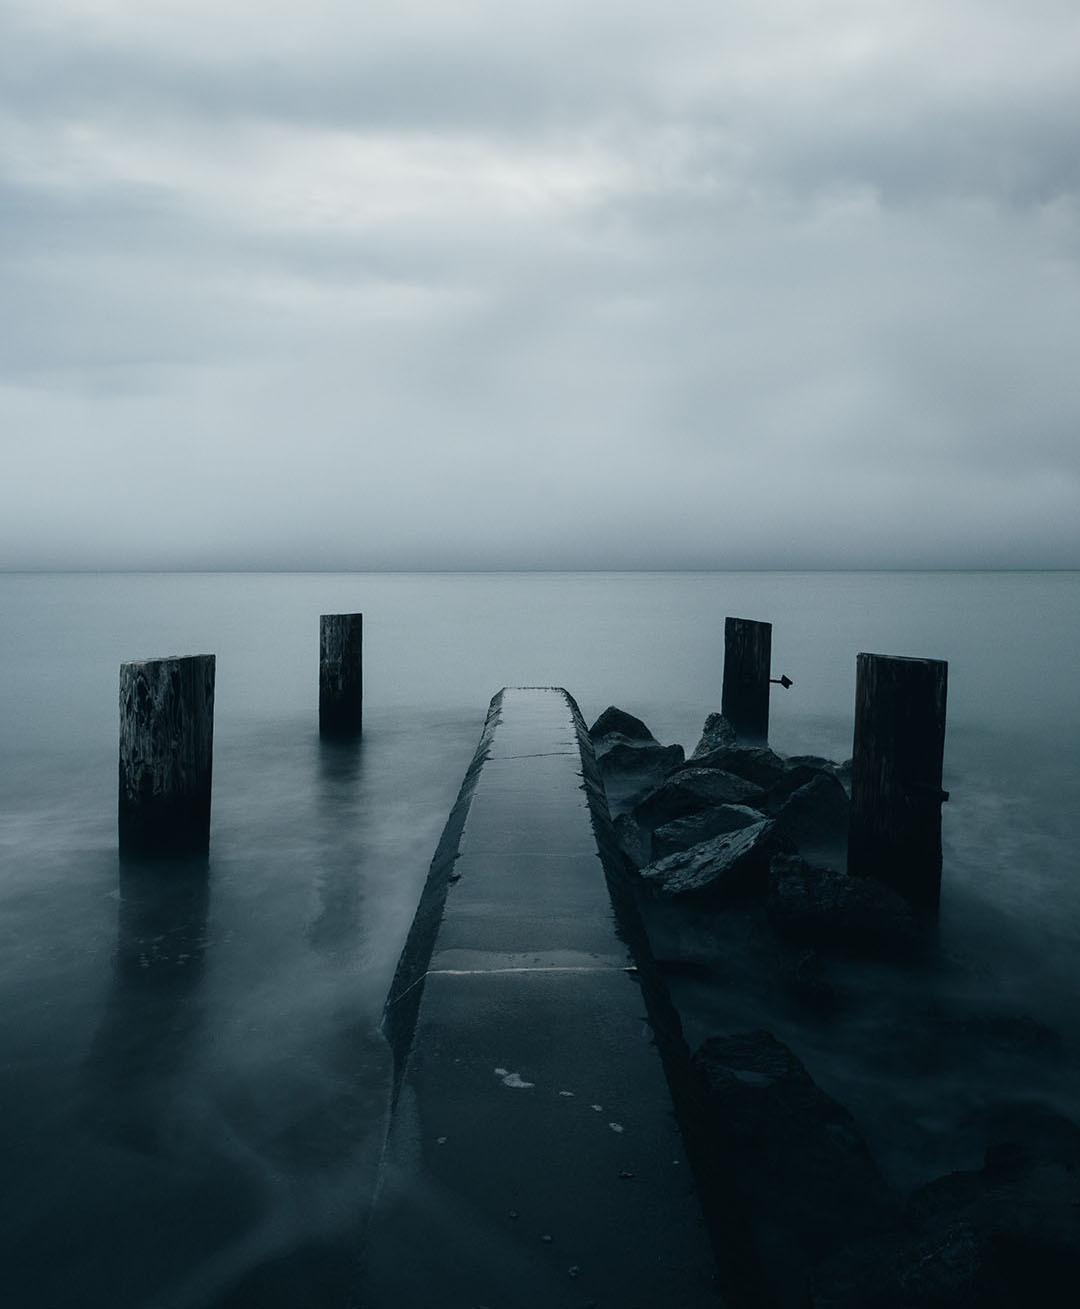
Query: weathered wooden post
[747,656]
[896,795]
[341,673]
[166,755]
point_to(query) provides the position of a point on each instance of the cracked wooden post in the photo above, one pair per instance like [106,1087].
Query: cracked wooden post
[166,755]
[747,658]
[341,673]
[896,795]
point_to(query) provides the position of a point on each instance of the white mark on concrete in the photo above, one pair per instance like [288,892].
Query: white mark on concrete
[440,1140]
[615,1127]
[566,1093]
[597,1108]
[515,1080]
[502,1072]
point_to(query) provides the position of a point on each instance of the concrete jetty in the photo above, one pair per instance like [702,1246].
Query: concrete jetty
[533,1156]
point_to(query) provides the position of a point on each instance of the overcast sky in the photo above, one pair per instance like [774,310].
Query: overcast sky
[560,283]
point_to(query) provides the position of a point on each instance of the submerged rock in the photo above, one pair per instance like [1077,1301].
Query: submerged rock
[828,910]
[801,1169]
[807,982]
[727,869]
[945,1269]
[1004,1236]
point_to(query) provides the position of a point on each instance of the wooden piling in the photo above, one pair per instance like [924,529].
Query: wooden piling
[341,679]
[896,795]
[747,657]
[166,755]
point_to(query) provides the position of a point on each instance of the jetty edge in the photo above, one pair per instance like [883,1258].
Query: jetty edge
[547,1143]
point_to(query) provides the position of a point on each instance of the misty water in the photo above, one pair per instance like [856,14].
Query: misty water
[194,1086]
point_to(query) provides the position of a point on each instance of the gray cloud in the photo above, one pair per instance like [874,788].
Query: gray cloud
[595,287]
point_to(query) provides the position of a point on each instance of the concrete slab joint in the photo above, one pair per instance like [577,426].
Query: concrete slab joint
[532,1147]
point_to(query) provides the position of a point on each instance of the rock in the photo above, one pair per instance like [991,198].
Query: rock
[620,722]
[946,1269]
[630,758]
[807,983]
[930,1042]
[725,870]
[691,790]
[828,910]
[717,734]
[619,754]
[802,1172]
[1001,1237]
[1041,1131]
[816,816]
[682,833]
[843,772]
[634,840]
[756,763]
[816,763]
[798,770]
[1024,1207]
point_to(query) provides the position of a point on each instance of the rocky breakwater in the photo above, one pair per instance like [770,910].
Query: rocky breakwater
[736,824]
[737,844]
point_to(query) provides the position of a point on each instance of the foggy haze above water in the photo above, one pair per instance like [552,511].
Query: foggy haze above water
[194,1085]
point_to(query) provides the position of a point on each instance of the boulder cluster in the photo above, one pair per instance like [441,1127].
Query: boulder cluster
[828,1231]
[736,826]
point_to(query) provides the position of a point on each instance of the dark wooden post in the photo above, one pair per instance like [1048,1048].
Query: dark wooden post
[341,673]
[896,795]
[166,755]
[747,656]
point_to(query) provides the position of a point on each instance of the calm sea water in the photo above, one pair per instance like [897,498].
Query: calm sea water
[193,1086]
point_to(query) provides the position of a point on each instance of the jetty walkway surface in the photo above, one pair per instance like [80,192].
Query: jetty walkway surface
[533,1157]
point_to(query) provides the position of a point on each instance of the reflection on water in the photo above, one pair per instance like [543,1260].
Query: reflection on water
[153,1010]
[193,1084]
[342,843]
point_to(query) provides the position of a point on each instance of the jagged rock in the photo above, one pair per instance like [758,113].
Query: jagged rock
[843,772]
[1040,1130]
[725,870]
[691,790]
[756,763]
[634,840]
[798,770]
[682,833]
[1024,1207]
[717,734]
[815,762]
[619,721]
[816,815]
[630,757]
[945,1269]
[826,909]
[808,984]
[801,1170]
[619,754]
